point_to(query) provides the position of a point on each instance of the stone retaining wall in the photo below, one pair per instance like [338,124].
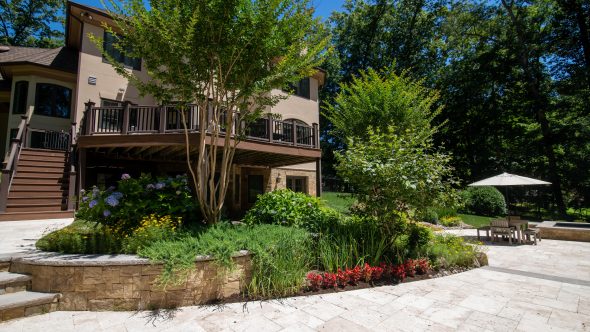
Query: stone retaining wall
[129,283]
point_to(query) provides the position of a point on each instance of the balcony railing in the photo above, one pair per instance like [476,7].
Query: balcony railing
[133,119]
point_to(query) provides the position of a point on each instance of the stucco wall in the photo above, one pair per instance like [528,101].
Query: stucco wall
[109,84]
[38,121]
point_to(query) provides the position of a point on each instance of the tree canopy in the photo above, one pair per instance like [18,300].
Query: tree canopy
[36,23]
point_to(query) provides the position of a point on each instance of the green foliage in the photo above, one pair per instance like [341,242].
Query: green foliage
[393,165]
[281,255]
[124,207]
[81,237]
[486,201]
[288,208]
[360,240]
[451,221]
[33,23]
[381,100]
[449,250]
[429,216]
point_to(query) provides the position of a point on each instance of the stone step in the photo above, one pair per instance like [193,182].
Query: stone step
[13,282]
[22,304]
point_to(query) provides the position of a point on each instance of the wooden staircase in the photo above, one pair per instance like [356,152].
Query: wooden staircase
[39,188]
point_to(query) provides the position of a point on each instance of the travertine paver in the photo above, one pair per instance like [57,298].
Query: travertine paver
[20,236]
[478,300]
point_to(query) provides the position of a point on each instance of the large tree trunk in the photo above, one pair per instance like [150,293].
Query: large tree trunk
[532,74]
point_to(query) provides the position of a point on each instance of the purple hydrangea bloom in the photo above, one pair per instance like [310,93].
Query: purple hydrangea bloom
[92,203]
[117,195]
[106,213]
[150,187]
[85,199]
[95,192]
[112,201]
[125,176]
[160,185]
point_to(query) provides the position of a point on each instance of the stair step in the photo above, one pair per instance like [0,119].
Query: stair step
[22,304]
[36,199]
[57,169]
[36,158]
[38,175]
[32,180]
[13,282]
[33,207]
[40,163]
[35,215]
[24,189]
[39,152]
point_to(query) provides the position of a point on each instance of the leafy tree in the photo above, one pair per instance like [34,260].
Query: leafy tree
[36,23]
[393,166]
[221,55]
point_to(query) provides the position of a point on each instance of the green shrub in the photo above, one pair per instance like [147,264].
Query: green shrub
[485,201]
[429,216]
[133,199]
[281,255]
[449,251]
[288,208]
[151,229]
[81,237]
[451,221]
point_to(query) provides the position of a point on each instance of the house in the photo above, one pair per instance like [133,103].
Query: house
[68,121]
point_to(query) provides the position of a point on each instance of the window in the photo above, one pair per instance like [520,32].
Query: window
[21,91]
[255,187]
[109,47]
[301,88]
[110,103]
[53,100]
[297,183]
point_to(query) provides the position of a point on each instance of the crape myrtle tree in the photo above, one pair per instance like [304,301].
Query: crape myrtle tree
[393,166]
[225,56]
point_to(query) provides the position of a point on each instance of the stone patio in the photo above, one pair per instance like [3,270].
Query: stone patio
[525,288]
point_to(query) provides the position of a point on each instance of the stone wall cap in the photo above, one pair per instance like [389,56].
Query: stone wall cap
[58,259]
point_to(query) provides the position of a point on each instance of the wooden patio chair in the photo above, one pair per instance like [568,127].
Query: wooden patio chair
[533,233]
[483,229]
[502,228]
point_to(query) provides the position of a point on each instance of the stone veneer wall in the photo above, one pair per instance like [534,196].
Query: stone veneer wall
[129,283]
[275,172]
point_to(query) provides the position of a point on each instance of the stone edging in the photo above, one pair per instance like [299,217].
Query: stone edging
[126,282]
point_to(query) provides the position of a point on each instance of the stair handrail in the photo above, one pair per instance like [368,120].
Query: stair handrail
[9,164]
[72,164]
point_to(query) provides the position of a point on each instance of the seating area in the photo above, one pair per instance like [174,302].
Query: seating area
[511,229]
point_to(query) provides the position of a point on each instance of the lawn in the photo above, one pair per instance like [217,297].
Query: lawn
[475,221]
[338,201]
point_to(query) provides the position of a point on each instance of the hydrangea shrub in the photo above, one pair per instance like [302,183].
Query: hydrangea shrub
[124,206]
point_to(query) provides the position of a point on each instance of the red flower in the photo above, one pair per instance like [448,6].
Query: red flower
[410,267]
[354,275]
[367,272]
[377,272]
[329,280]
[398,272]
[315,281]
[341,278]
[422,266]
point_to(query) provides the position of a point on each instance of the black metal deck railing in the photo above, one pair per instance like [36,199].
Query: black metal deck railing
[133,119]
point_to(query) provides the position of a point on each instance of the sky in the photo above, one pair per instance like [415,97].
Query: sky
[323,7]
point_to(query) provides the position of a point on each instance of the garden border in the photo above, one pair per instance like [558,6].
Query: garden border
[127,282]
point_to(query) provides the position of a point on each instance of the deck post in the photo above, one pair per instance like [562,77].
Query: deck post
[316,136]
[270,128]
[294,134]
[125,126]
[162,128]
[88,118]
[318,177]
[72,162]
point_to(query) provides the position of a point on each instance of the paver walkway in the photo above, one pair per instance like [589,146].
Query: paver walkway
[20,236]
[543,288]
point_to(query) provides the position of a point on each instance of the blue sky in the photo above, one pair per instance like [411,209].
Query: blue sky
[323,7]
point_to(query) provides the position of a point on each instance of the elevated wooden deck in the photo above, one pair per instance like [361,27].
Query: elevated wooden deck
[157,133]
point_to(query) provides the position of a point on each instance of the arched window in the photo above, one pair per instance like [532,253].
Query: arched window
[53,100]
[21,92]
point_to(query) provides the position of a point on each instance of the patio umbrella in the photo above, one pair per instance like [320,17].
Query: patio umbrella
[507,180]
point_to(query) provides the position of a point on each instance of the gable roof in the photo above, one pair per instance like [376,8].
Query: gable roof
[61,58]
